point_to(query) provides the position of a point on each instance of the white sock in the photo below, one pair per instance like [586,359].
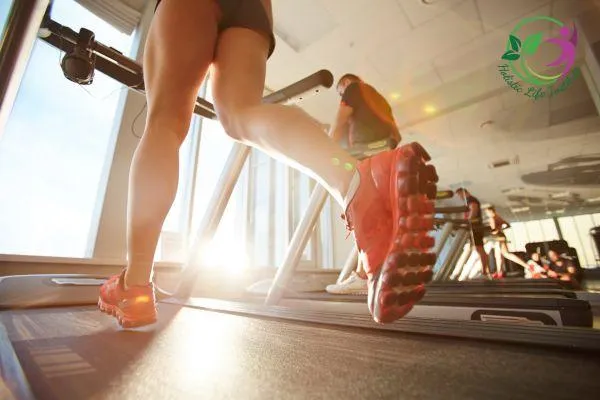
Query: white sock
[352,188]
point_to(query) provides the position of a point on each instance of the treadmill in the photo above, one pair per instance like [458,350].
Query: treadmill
[21,291]
[50,348]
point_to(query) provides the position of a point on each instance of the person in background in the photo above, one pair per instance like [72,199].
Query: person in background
[474,217]
[536,266]
[364,116]
[497,226]
[561,268]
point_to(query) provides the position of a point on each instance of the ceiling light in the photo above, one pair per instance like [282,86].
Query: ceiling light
[430,109]
[593,200]
[561,195]
[513,190]
[520,210]
[395,96]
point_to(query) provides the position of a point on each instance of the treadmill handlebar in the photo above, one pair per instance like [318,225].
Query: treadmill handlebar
[114,64]
[298,91]
[451,210]
[458,222]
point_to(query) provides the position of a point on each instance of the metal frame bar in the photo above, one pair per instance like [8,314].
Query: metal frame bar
[297,245]
[114,64]
[195,163]
[350,264]
[450,263]
[272,215]
[213,215]
[444,235]
[18,39]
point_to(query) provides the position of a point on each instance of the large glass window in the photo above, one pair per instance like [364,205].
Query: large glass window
[584,224]
[576,231]
[522,233]
[4,11]
[172,245]
[517,236]
[56,148]
[302,189]
[228,249]
[261,216]
[281,213]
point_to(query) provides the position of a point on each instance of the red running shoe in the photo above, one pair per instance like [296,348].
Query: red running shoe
[133,307]
[498,275]
[390,215]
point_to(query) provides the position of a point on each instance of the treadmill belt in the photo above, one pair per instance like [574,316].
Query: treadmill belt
[78,353]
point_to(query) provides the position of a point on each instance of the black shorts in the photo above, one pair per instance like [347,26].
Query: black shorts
[249,14]
[477,238]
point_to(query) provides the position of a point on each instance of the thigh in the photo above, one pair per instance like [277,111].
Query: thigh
[477,238]
[239,69]
[178,52]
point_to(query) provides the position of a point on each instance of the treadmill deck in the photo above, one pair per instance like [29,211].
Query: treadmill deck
[70,353]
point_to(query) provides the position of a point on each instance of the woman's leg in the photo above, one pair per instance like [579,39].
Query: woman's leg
[178,52]
[510,256]
[367,190]
[285,133]
[498,259]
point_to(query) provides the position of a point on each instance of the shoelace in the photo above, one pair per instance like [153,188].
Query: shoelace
[348,225]
[377,230]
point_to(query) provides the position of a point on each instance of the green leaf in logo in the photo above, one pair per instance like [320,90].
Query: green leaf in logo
[510,55]
[515,43]
[532,42]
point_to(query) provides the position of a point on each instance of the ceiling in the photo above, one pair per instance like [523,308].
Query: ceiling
[436,61]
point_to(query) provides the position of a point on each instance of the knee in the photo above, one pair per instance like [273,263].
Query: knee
[234,121]
[168,122]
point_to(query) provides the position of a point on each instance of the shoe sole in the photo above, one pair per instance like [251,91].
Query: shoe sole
[399,284]
[124,320]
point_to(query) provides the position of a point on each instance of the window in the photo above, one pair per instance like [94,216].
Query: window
[576,231]
[326,235]
[541,230]
[517,236]
[302,189]
[522,233]
[4,11]
[261,213]
[56,149]
[549,230]
[584,224]
[228,249]
[281,213]
[173,242]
